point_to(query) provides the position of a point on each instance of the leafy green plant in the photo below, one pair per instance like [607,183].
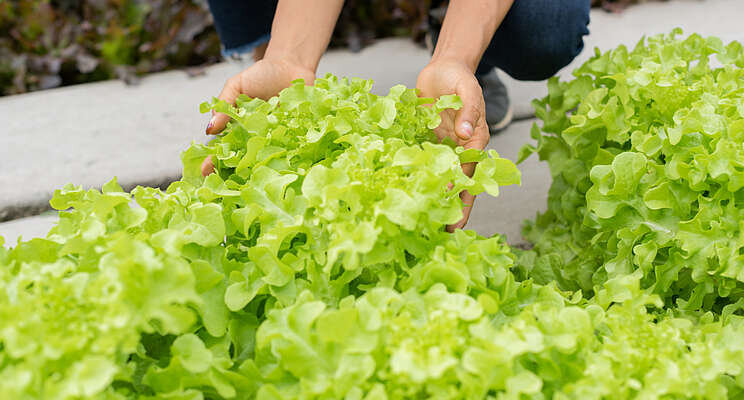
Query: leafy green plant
[645,151]
[48,43]
[360,198]
[314,264]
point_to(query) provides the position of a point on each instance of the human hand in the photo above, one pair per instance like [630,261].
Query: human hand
[264,79]
[466,126]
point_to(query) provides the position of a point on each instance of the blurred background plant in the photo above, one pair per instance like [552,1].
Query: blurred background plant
[50,43]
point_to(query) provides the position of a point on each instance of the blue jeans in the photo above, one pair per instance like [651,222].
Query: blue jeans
[242,24]
[536,39]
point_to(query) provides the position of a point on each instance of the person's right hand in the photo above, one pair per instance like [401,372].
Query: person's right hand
[264,79]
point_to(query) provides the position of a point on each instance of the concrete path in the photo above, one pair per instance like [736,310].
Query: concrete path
[27,228]
[87,134]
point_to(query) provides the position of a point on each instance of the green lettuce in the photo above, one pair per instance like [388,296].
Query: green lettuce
[326,189]
[314,264]
[644,147]
[440,344]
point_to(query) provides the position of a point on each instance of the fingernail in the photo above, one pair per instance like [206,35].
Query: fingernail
[209,125]
[466,130]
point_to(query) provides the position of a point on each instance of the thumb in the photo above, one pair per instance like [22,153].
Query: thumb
[467,118]
[229,93]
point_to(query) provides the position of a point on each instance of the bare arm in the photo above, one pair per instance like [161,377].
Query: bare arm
[299,36]
[302,30]
[468,28]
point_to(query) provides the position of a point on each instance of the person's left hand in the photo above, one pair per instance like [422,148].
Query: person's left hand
[466,126]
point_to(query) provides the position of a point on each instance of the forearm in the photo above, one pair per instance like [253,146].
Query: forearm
[468,28]
[302,30]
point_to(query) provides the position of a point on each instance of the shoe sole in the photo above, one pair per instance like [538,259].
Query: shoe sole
[501,125]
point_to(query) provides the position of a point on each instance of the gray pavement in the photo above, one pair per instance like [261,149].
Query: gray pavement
[86,134]
[27,228]
[504,214]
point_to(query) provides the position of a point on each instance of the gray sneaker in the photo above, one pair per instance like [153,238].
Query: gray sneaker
[498,107]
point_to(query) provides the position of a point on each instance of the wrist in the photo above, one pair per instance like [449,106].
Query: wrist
[453,59]
[292,60]
[457,64]
[468,29]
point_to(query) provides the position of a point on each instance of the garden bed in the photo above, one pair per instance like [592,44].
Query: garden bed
[314,263]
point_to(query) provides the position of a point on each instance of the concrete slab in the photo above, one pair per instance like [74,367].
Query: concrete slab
[86,134]
[504,214]
[27,228]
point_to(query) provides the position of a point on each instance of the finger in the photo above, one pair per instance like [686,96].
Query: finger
[467,200]
[207,166]
[480,138]
[478,141]
[229,93]
[468,117]
[469,169]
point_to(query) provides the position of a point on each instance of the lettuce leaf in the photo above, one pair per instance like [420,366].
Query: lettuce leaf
[645,149]
[314,263]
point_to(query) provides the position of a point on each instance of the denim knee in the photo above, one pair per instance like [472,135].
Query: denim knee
[539,37]
[565,44]
[242,25]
